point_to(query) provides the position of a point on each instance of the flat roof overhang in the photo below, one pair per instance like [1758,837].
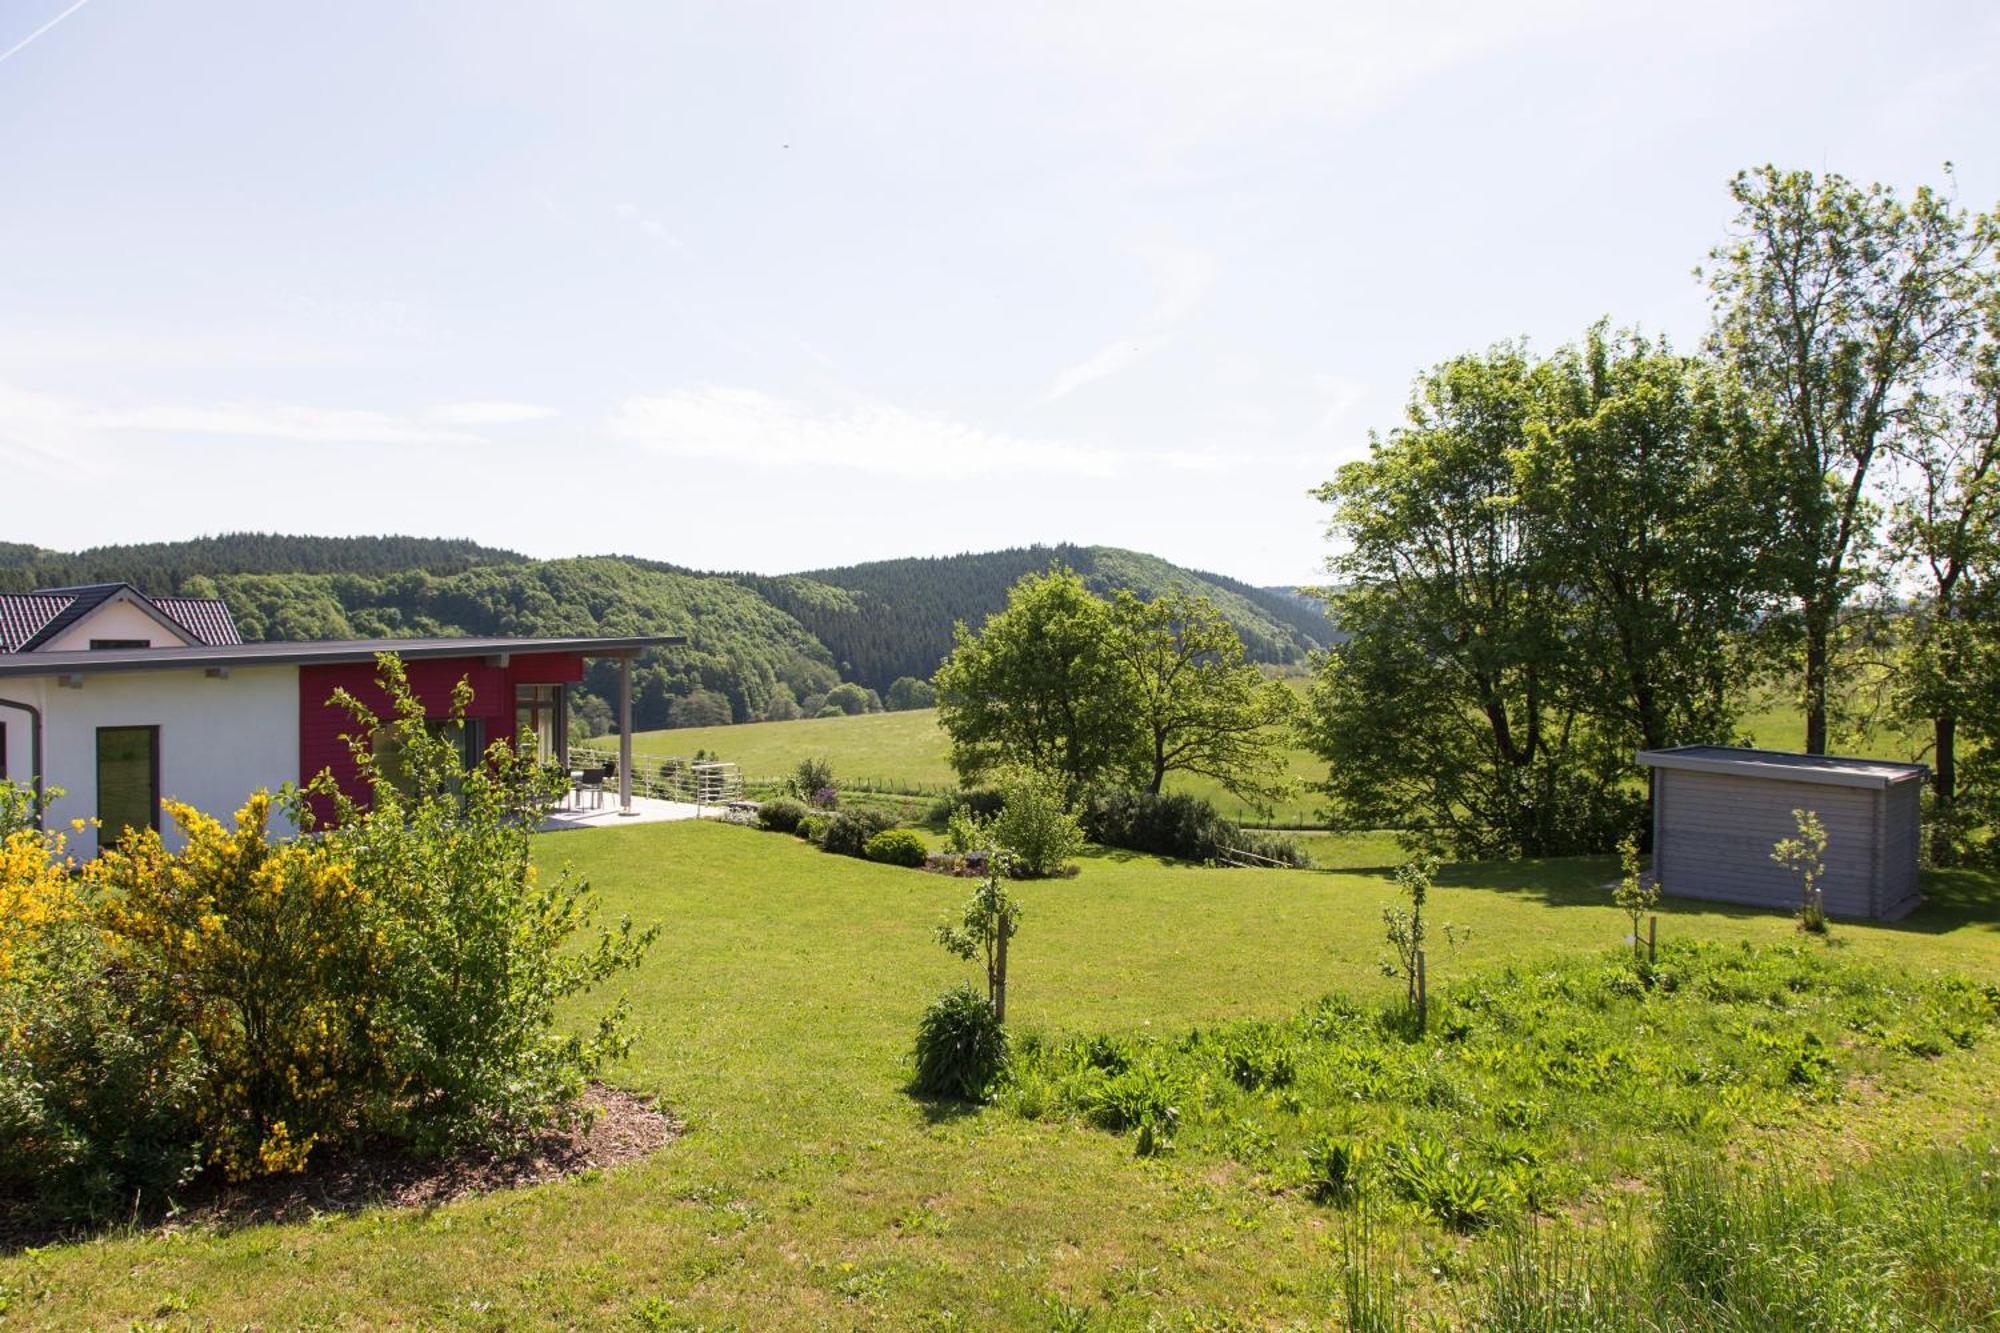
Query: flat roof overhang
[1830,770]
[322,652]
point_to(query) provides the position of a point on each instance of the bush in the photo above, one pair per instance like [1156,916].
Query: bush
[896,847]
[810,775]
[1037,825]
[99,1090]
[394,978]
[813,828]
[980,803]
[1272,846]
[781,815]
[1186,827]
[908,692]
[961,1048]
[1181,826]
[849,831]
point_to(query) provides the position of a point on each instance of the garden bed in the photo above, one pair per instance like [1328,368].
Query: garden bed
[620,1127]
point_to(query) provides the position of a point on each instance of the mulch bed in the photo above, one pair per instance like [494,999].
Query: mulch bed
[622,1127]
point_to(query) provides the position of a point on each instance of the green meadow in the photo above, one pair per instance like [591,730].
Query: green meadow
[811,1190]
[907,752]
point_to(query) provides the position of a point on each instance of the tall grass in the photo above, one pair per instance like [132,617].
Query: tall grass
[1908,1242]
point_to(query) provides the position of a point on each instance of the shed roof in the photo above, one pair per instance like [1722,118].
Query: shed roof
[1784,766]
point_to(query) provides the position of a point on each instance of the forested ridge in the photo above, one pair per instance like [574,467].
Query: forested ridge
[758,646]
[893,618]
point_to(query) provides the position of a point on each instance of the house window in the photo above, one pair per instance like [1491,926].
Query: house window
[100,645]
[541,721]
[467,737]
[128,781]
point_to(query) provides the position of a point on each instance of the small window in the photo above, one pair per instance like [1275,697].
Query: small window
[3,751]
[102,645]
[128,782]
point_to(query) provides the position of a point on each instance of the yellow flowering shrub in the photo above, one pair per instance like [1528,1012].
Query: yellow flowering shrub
[97,1083]
[219,998]
[269,953]
[36,891]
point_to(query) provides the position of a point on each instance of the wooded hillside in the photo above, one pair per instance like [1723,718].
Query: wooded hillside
[759,645]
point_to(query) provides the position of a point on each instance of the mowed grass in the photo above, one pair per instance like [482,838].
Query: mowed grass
[811,1191]
[908,752]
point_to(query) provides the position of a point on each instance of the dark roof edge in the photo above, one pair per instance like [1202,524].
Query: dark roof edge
[329,652]
[1824,769]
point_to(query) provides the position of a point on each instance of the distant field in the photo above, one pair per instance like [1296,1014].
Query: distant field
[906,752]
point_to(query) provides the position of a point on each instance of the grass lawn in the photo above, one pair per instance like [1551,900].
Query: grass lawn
[810,1190]
[907,752]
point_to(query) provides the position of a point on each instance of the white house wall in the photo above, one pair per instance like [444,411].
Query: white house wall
[115,619]
[220,739]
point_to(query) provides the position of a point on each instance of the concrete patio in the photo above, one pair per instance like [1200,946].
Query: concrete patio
[645,810]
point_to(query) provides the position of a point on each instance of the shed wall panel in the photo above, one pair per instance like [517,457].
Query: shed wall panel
[1717,831]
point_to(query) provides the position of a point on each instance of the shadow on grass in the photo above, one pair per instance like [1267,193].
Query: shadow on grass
[943,1110]
[1954,899]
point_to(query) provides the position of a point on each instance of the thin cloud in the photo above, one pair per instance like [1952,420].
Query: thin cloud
[633,215]
[41,423]
[489,413]
[760,430]
[30,39]
[1182,278]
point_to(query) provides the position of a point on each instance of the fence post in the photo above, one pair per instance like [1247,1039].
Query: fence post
[1652,939]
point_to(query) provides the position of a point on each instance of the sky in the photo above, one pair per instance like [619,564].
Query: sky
[777,287]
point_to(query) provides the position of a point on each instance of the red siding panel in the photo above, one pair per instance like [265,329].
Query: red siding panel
[323,723]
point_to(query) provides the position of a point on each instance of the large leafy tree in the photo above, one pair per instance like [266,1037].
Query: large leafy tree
[1946,529]
[1837,301]
[1040,685]
[1646,475]
[1445,713]
[1201,708]
[1554,563]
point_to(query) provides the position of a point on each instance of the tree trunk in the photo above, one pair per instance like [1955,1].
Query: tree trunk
[1000,973]
[1944,788]
[1818,637]
[1159,765]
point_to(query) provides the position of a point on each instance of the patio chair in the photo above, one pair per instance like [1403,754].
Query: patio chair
[590,782]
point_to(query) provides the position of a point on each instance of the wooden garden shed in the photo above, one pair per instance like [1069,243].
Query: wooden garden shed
[1717,811]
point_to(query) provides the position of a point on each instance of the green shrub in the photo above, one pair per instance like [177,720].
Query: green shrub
[781,815]
[1181,826]
[100,1090]
[1037,825]
[394,978]
[812,828]
[961,1047]
[847,834]
[1185,827]
[1273,847]
[981,803]
[812,775]
[896,847]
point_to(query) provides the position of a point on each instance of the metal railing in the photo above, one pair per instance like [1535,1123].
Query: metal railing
[708,782]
